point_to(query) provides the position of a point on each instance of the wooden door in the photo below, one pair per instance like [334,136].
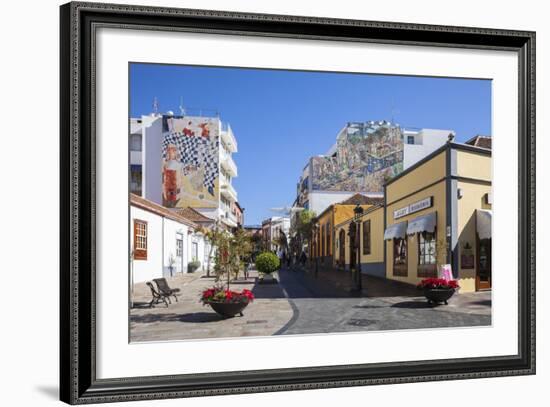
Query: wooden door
[484,263]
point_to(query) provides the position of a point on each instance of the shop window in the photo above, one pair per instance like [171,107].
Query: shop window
[400,257]
[140,239]
[366,237]
[427,255]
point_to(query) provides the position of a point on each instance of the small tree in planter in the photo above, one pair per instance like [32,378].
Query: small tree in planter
[230,250]
[267,263]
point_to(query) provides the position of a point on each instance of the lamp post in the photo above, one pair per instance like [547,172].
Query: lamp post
[357,213]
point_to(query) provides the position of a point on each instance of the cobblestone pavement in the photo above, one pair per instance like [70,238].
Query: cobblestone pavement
[318,309]
[301,304]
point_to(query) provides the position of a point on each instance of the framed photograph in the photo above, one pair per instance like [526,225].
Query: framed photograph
[255,203]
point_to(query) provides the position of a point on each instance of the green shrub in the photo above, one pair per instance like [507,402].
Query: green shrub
[192,266]
[267,263]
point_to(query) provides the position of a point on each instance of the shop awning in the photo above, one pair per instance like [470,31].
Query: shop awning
[484,219]
[396,231]
[424,223]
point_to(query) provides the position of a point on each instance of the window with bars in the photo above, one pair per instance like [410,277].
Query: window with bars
[366,237]
[426,248]
[140,239]
[179,246]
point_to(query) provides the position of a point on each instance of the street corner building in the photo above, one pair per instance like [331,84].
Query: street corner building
[162,242]
[438,211]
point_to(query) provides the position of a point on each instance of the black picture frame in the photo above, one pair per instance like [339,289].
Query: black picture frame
[78,382]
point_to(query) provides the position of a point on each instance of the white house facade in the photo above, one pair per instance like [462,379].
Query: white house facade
[162,242]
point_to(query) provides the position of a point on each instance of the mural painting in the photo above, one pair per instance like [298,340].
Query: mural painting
[367,154]
[190,173]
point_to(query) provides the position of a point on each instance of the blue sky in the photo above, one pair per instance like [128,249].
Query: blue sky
[281,118]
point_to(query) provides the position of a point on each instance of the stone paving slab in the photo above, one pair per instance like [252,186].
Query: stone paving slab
[299,304]
[189,319]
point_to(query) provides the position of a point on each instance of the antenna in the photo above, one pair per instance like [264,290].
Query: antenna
[155,106]
[182,108]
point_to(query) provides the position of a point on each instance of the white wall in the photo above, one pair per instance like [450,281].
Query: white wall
[430,139]
[152,165]
[171,231]
[321,200]
[30,357]
[146,270]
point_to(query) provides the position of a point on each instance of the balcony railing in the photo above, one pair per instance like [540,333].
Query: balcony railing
[228,163]
[228,137]
[228,190]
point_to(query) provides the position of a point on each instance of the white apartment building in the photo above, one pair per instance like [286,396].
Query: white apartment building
[273,229]
[185,161]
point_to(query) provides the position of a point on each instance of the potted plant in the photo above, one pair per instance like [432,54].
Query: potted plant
[225,302]
[193,266]
[229,254]
[438,290]
[266,264]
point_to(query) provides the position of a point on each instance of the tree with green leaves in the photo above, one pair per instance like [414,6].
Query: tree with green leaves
[303,227]
[230,252]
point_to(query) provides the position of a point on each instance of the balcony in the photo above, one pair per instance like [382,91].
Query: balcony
[228,190]
[228,163]
[229,219]
[228,137]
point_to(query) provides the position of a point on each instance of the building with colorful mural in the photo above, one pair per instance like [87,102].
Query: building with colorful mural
[185,161]
[365,156]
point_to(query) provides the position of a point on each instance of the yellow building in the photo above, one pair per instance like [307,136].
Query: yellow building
[323,245]
[369,230]
[439,212]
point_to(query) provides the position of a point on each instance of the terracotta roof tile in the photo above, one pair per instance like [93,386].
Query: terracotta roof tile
[480,141]
[360,199]
[153,207]
[193,215]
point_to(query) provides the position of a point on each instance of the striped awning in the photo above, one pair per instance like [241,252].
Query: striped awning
[396,231]
[424,223]
[484,220]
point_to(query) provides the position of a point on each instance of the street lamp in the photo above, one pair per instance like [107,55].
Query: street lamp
[357,213]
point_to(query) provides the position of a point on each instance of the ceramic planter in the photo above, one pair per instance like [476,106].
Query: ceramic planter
[228,309]
[438,295]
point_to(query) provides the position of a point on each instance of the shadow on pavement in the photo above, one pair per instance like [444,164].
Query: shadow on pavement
[412,305]
[368,306]
[485,303]
[190,317]
[141,304]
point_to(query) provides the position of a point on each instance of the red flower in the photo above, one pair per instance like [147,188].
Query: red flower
[438,283]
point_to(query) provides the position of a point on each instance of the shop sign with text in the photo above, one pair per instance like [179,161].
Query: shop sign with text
[414,207]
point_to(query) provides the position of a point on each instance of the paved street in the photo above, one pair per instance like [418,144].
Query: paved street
[301,304]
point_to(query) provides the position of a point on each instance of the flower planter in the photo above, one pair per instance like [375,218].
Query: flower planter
[438,295]
[228,309]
